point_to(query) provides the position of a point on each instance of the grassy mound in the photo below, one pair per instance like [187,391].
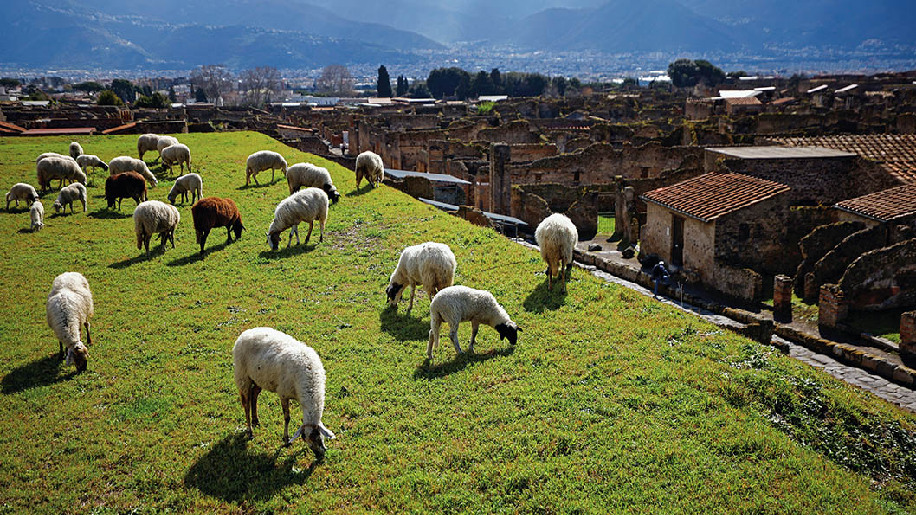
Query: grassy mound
[610,402]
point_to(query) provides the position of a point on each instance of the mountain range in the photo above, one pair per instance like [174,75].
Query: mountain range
[299,34]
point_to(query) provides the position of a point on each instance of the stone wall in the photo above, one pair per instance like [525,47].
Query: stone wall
[817,244]
[533,203]
[755,237]
[830,268]
[882,279]
[742,284]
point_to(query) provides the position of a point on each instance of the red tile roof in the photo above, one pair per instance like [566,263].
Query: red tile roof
[712,195]
[60,132]
[884,205]
[746,101]
[10,128]
[895,152]
[120,128]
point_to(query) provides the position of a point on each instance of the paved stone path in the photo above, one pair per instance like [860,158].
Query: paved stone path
[891,392]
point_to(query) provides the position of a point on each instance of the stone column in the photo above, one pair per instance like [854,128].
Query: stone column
[811,288]
[782,298]
[832,307]
[908,337]
[500,183]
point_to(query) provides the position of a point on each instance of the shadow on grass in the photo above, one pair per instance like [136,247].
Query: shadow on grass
[25,230]
[41,372]
[430,371]
[106,214]
[295,250]
[231,473]
[261,185]
[157,251]
[360,191]
[541,299]
[403,327]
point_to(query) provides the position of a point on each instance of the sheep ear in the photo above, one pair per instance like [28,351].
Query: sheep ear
[326,432]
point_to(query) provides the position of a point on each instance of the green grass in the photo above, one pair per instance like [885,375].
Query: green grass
[610,402]
[607,224]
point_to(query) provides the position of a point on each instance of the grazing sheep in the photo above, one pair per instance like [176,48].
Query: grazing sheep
[370,166]
[69,306]
[165,142]
[557,236]
[91,161]
[124,185]
[430,264]
[176,154]
[264,358]
[457,304]
[76,150]
[191,182]
[147,142]
[51,154]
[37,215]
[260,161]
[212,212]
[155,217]
[305,175]
[306,205]
[67,195]
[63,169]
[21,191]
[123,164]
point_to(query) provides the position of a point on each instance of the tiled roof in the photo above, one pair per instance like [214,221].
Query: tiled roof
[10,128]
[745,101]
[712,195]
[895,152]
[120,128]
[884,205]
[60,132]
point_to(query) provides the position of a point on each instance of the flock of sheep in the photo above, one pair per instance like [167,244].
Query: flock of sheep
[265,358]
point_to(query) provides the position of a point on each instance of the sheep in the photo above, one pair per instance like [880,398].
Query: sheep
[21,191]
[51,154]
[123,164]
[264,358]
[124,185]
[147,142]
[457,304]
[90,161]
[557,236]
[370,166]
[155,217]
[213,212]
[67,195]
[70,305]
[52,167]
[191,182]
[306,205]
[165,142]
[308,175]
[430,264]
[37,215]
[176,154]
[260,161]
[76,149]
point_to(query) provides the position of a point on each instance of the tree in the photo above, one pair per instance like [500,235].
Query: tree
[124,89]
[89,86]
[560,84]
[482,85]
[419,90]
[214,79]
[9,82]
[383,84]
[687,73]
[172,96]
[403,86]
[335,79]
[109,98]
[497,80]
[443,82]
[199,95]
[155,101]
[260,84]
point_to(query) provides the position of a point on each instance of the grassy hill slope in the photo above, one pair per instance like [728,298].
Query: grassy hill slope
[610,402]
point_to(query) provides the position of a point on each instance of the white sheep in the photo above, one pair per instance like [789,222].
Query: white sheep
[147,142]
[164,142]
[51,154]
[260,161]
[90,161]
[21,191]
[76,150]
[155,217]
[264,358]
[69,306]
[176,154]
[557,236]
[187,183]
[305,175]
[369,165]
[123,164]
[60,168]
[69,194]
[306,205]
[457,304]
[37,215]
[429,264]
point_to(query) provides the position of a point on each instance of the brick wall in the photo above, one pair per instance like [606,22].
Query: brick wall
[908,337]
[832,307]
[883,278]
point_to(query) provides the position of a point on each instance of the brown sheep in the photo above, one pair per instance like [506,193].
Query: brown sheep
[213,212]
[125,185]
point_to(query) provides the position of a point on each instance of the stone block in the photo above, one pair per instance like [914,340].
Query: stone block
[903,375]
[782,297]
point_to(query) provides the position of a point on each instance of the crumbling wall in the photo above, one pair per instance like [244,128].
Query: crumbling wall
[882,279]
[817,244]
[830,268]
[755,237]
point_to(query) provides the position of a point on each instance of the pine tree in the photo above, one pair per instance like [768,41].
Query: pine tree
[383,86]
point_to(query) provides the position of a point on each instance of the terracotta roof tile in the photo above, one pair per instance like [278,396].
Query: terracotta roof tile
[120,128]
[747,101]
[895,152]
[884,205]
[712,195]
[11,128]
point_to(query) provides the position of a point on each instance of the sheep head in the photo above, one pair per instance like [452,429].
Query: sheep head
[332,192]
[273,240]
[314,437]
[237,228]
[394,292]
[508,331]
[58,206]
[79,356]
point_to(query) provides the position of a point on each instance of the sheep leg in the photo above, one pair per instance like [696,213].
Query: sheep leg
[433,337]
[61,354]
[254,391]
[320,231]
[84,205]
[285,403]
[246,405]
[474,326]
[272,172]
[172,238]
[309,235]
[88,336]
[453,334]
[294,230]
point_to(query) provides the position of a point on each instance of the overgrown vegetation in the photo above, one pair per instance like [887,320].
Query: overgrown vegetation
[610,402]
